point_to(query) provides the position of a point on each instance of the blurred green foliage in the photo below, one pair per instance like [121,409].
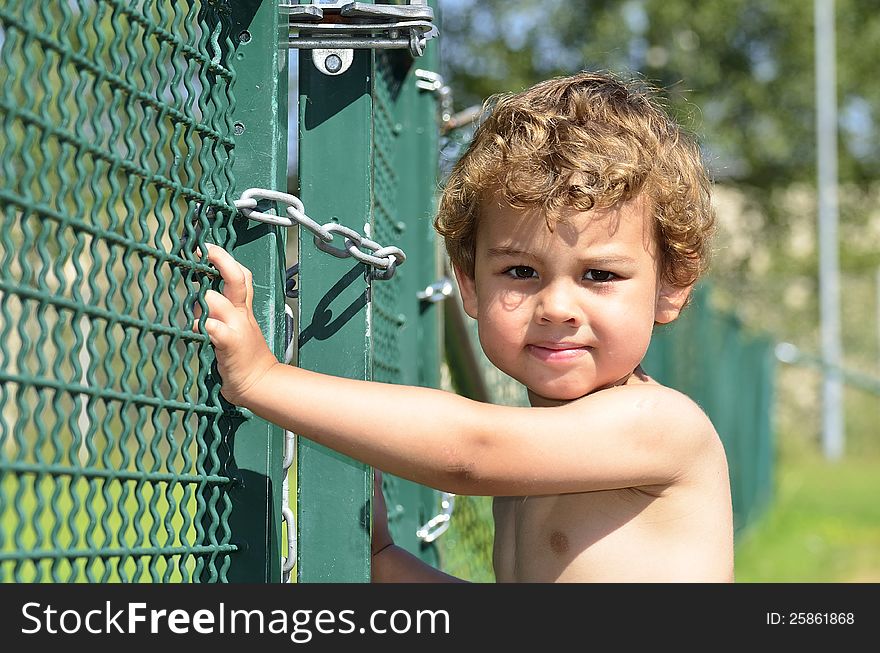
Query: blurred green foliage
[740,71]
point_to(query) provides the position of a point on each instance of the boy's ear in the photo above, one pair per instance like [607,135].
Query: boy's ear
[467,289]
[670,300]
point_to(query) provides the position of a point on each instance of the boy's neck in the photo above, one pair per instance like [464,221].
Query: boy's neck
[637,376]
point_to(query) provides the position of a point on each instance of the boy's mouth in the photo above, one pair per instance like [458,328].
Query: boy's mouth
[557,351]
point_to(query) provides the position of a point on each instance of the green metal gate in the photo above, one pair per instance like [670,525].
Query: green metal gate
[129,130]
[371,132]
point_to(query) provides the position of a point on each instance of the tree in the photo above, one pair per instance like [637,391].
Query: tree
[738,72]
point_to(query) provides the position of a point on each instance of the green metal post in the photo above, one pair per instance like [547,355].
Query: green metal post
[260,126]
[368,157]
[414,155]
[335,140]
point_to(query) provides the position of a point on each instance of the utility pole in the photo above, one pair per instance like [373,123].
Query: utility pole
[829,273]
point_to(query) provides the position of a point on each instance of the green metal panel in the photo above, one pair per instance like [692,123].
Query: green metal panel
[406,330]
[335,144]
[259,121]
[115,138]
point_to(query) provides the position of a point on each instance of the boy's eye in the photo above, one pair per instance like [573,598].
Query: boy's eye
[521,272]
[599,275]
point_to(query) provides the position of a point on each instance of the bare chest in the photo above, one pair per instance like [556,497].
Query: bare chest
[590,536]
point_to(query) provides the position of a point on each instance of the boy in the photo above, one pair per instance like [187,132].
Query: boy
[577,220]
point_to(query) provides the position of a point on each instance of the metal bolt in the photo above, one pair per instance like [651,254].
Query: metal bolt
[238,128]
[333,63]
[244,37]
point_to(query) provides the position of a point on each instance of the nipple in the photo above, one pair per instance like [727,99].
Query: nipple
[558,542]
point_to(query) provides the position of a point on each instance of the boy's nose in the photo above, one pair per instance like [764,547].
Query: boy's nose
[557,304]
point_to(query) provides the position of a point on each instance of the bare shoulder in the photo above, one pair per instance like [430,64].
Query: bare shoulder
[673,408]
[657,415]
[658,406]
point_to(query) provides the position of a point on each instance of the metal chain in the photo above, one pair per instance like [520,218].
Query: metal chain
[288,562]
[384,259]
[439,523]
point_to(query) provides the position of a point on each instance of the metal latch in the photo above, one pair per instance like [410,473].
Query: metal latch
[332,30]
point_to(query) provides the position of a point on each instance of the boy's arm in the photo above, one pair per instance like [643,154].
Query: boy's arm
[391,563]
[396,565]
[620,437]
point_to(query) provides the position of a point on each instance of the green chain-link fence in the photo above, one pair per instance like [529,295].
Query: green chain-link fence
[116,140]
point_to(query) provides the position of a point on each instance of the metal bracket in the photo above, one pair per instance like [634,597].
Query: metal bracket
[332,30]
[428,80]
[437,291]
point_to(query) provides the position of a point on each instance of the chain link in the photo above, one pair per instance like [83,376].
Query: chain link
[384,259]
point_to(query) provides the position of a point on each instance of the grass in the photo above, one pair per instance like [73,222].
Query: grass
[823,525]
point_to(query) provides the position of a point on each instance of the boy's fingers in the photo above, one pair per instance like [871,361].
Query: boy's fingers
[216,331]
[234,279]
[377,486]
[219,306]
[249,286]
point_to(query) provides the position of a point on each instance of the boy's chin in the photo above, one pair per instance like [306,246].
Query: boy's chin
[555,397]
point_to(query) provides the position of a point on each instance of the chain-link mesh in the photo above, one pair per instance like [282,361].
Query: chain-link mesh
[114,139]
[466,548]
[386,319]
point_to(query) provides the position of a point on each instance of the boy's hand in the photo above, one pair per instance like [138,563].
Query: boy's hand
[381,535]
[243,357]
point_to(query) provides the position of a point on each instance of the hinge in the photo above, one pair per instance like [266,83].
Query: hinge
[333,30]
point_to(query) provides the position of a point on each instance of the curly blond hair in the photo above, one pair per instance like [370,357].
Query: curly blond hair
[586,141]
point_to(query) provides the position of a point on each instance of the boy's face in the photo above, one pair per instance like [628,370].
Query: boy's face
[568,311]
